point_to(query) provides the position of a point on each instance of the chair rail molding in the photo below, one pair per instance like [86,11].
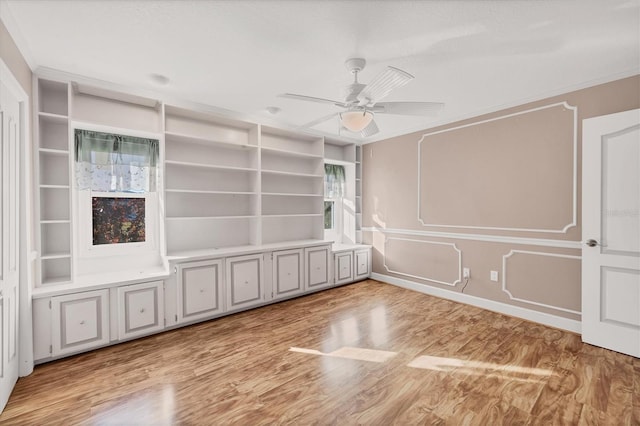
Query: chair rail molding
[478,237]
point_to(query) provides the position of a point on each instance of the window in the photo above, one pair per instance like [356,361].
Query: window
[116,179]
[329,218]
[334,191]
[334,181]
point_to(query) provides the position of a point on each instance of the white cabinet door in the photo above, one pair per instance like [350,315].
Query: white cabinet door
[200,290]
[80,321]
[362,264]
[317,267]
[140,309]
[287,273]
[244,280]
[344,270]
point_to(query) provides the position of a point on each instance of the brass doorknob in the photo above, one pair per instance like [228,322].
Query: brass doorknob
[591,242]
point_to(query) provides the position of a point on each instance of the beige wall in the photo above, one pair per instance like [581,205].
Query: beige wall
[14,60]
[504,175]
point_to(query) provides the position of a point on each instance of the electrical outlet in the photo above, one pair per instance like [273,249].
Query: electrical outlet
[466,273]
[494,276]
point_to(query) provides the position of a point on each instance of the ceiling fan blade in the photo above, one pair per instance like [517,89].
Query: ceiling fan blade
[312,99]
[428,109]
[370,130]
[383,84]
[320,120]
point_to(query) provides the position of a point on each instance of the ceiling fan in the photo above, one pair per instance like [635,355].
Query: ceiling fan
[361,101]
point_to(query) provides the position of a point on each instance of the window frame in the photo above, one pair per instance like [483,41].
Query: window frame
[83,208]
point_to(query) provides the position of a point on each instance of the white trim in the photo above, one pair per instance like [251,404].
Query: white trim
[480,237]
[503,308]
[453,284]
[563,91]
[535,253]
[574,172]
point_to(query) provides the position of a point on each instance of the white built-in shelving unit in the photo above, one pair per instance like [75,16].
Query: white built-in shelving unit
[225,182]
[53,200]
[212,182]
[236,221]
[292,173]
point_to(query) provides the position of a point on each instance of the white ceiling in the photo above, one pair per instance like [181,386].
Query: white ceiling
[475,56]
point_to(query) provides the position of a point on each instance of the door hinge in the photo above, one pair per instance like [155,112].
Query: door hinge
[175,269]
[176,316]
[49,304]
[50,349]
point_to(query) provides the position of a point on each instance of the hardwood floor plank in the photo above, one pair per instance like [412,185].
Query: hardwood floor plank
[367,353]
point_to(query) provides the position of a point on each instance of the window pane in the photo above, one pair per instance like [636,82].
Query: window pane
[334,181]
[107,162]
[118,220]
[328,214]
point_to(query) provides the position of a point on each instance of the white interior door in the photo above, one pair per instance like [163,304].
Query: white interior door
[611,232]
[9,249]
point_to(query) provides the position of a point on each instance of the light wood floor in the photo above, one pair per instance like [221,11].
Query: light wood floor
[368,353]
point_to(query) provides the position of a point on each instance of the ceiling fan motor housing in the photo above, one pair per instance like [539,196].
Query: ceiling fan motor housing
[350,93]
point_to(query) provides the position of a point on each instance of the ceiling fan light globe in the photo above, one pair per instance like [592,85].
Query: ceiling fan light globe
[356,121]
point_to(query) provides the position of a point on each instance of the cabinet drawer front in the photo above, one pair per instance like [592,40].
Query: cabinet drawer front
[287,272]
[140,309]
[343,267]
[244,281]
[200,290]
[318,267]
[362,263]
[80,321]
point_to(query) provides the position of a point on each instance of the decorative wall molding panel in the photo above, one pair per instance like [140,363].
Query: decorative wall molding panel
[479,237]
[497,179]
[418,262]
[536,274]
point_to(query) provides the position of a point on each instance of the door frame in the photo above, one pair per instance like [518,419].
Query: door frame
[26,259]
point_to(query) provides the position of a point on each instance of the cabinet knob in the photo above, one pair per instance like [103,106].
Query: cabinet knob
[246,282]
[317,268]
[82,322]
[288,273]
[142,310]
[202,290]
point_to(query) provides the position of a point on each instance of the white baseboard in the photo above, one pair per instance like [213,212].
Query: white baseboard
[503,308]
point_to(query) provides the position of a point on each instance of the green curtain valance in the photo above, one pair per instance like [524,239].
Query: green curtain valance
[108,162]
